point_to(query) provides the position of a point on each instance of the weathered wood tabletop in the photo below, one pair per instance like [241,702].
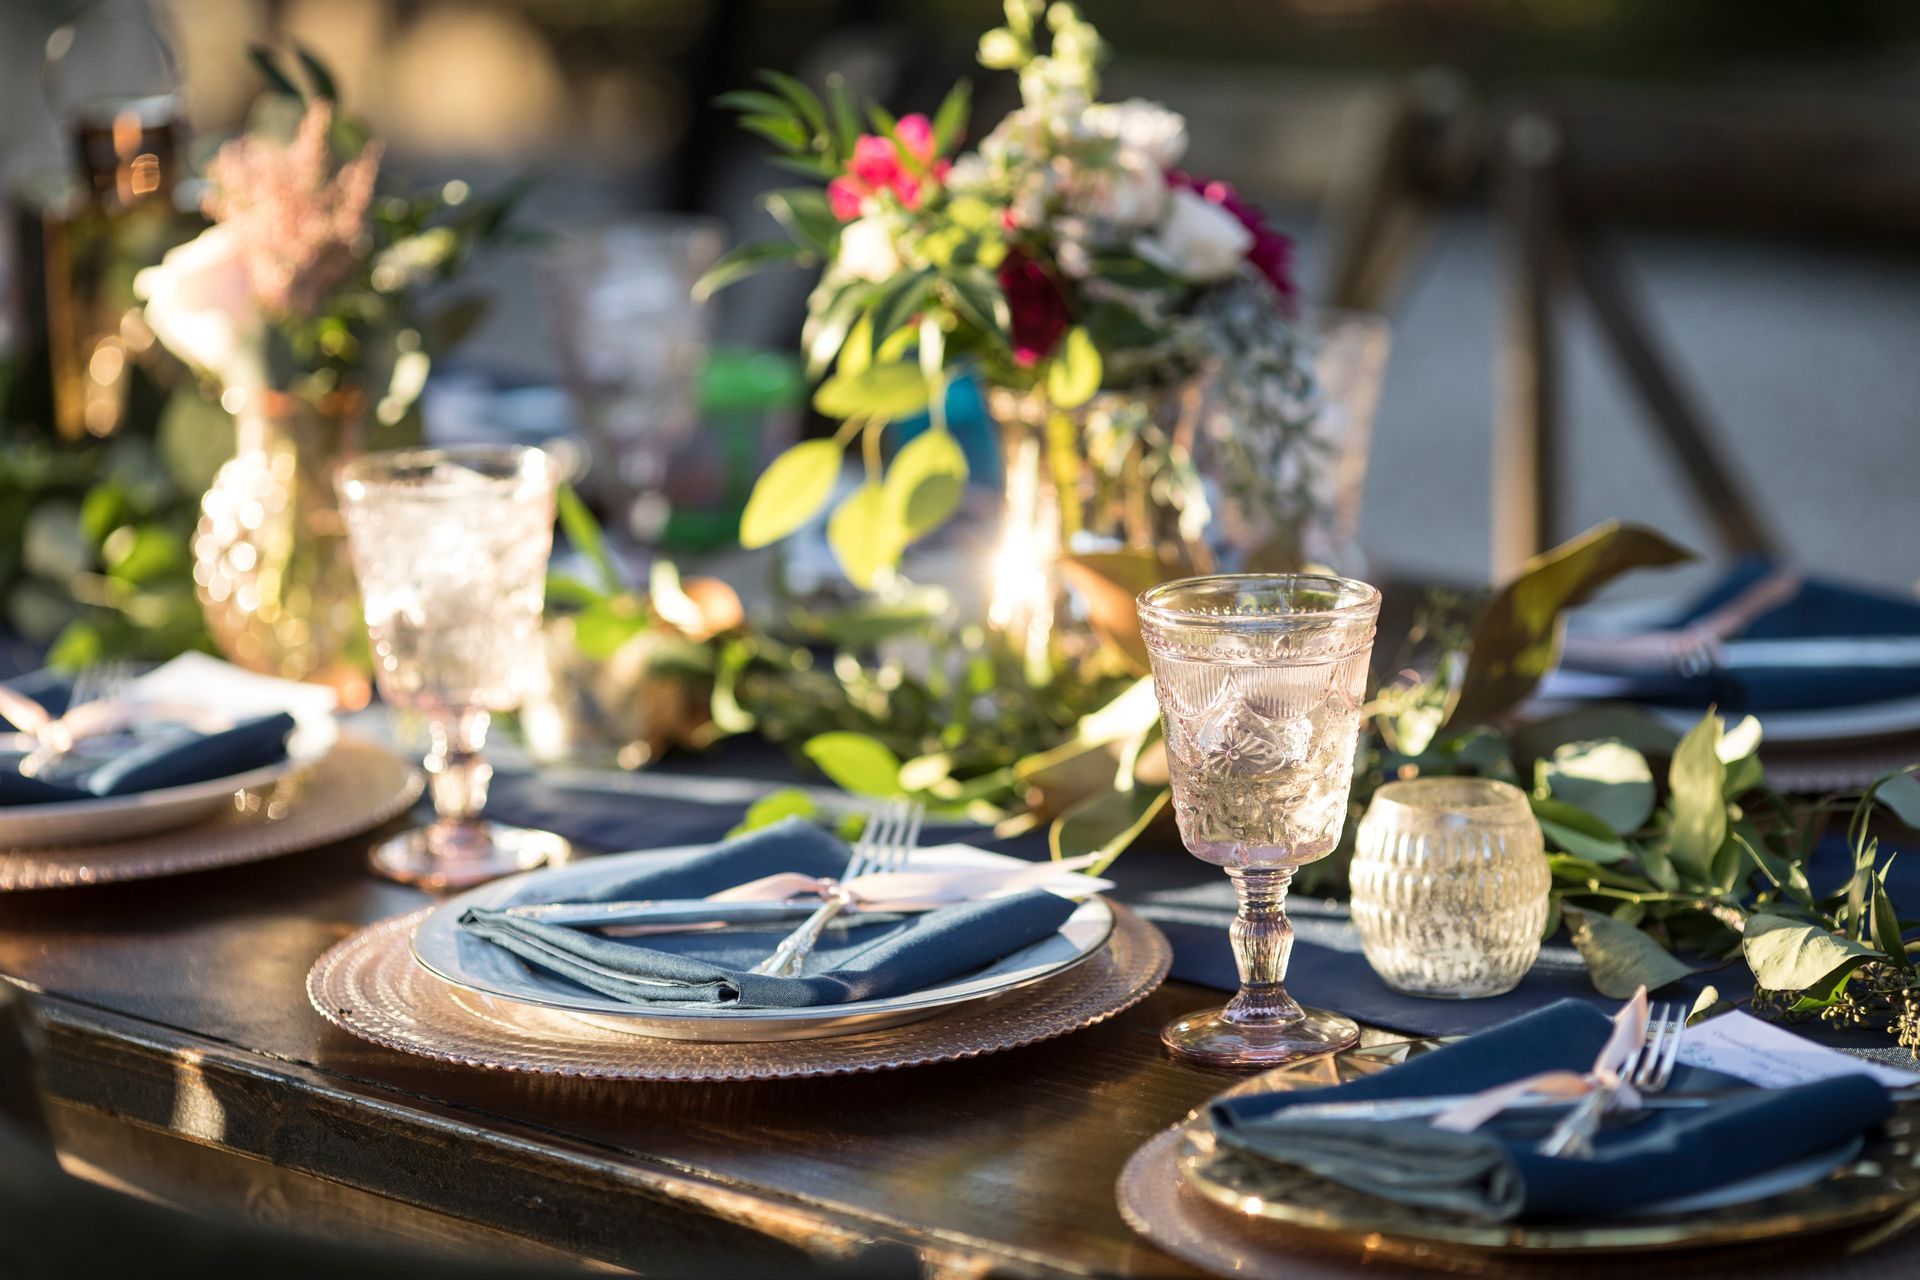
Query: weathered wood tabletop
[182,1058]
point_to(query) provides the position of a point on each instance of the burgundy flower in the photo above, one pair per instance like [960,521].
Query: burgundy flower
[1036,308]
[1271,253]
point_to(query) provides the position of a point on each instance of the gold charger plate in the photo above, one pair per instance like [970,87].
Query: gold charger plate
[370,986]
[357,785]
[1883,1178]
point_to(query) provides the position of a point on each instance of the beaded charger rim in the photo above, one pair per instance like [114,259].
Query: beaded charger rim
[1228,1212]
[356,786]
[370,986]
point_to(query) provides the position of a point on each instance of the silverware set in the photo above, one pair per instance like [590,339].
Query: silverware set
[884,845]
[1649,1070]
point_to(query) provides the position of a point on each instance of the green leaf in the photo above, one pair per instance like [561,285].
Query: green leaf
[753,102]
[1708,1004]
[865,536]
[777,806]
[1607,779]
[1886,926]
[897,301]
[884,391]
[832,311]
[804,212]
[1580,844]
[144,553]
[602,630]
[1900,792]
[1516,640]
[804,100]
[1621,959]
[1740,749]
[790,492]
[846,120]
[1107,584]
[1792,955]
[324,86]
[269,68]
[748,259]
[926,481]
[1073,376]
[1697,779]
[782,131]
[583,531]
[1106,823]
[951,118]
[857,763]
[978,299]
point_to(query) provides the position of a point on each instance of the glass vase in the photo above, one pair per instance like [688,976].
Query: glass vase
[1190,475]
[1450,885]
[270,557]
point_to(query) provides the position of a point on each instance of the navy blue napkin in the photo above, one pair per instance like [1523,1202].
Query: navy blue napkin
[858,959]
[1821,608]
[145,758]
[1496,1172]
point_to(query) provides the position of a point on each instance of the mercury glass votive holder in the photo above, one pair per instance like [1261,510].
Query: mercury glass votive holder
[1449,882]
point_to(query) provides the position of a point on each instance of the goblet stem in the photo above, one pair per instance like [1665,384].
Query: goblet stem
[1262,939]
[458,777]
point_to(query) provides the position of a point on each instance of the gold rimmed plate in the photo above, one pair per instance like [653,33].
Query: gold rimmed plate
[1855,1185]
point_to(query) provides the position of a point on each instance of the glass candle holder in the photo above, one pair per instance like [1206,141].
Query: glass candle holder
[1450,884]
[1260,679]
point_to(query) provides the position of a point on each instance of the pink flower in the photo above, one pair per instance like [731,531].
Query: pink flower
[298,221]
[1036,309]
[876,166]
[1271,253]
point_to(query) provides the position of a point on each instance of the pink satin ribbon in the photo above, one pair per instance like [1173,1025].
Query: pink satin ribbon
[916,889]
[1629,1033]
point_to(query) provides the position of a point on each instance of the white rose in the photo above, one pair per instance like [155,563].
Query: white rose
[1132,193]
[969,173]
[1198,241]
[1139,125]
[201,305]
[866,249]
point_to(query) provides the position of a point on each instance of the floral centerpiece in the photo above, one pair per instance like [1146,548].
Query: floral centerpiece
[1135,324]
[298,309]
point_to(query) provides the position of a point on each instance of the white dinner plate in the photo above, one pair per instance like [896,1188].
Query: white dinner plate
[453,954]
[142,813]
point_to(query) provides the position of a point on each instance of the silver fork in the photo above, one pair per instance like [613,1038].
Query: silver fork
[103,683]
[884,845]
[1648,1070]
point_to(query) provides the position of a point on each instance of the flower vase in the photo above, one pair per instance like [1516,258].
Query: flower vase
[1087,481]
[271,567]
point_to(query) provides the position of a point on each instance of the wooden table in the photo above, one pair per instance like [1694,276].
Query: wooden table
[182,1059]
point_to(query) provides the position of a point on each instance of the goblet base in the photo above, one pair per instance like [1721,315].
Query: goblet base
[411,859]
[1210,1037]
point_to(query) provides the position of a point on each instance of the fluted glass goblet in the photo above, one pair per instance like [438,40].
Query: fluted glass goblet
[451,547]
[1260,679]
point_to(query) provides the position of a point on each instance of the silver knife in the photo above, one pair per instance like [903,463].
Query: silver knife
[665,911]
[1421,1108]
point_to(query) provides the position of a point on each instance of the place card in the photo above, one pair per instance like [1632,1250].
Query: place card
[1738,1044]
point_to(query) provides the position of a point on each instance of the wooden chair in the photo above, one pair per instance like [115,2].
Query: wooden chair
[1567,168]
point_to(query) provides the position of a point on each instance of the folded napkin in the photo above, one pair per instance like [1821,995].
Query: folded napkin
[143,757]
[859,958]
[1496,1172]
[1817,609]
